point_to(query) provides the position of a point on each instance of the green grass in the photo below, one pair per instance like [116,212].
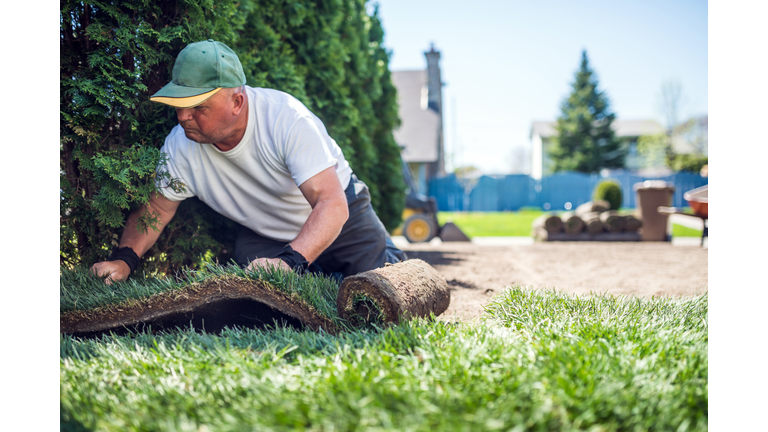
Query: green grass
[518,224]
[542,361]
[684,231]
[492,224]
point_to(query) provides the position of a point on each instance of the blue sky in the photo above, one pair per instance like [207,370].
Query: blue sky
[508,63]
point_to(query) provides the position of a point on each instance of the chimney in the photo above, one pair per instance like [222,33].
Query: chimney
[435,103]
[434,82]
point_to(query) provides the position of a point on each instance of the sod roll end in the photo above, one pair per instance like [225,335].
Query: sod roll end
[405,290]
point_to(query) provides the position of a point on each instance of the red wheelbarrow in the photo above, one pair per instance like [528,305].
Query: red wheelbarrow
[698,200]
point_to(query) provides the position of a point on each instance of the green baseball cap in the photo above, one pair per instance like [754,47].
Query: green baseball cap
[201,70]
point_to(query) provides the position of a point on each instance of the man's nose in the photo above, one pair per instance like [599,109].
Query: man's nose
[183,114]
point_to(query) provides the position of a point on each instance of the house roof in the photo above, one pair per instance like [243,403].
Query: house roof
[418,131]
[622,128]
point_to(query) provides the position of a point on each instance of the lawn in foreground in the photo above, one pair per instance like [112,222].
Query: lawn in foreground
[541,361]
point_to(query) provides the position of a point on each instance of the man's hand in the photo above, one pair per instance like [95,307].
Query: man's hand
[113,271]
[139,241]
[268,263]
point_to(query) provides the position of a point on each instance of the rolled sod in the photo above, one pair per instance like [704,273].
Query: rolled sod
[597,206]
[405,290]
[593,223]
[572,223]
[614,222]
[549,222]
[632,223]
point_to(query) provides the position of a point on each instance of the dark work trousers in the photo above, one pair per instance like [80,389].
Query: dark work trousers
[362,245]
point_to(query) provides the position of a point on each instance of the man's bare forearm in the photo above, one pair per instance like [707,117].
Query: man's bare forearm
[322,227]
[135,237]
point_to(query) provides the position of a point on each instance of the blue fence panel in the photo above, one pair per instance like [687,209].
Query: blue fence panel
[516,191]
[485,195]
[685,181]
[682,182]
[449,193]
[559,189]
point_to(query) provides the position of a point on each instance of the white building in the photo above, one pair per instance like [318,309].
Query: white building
[420,135]
[627,131]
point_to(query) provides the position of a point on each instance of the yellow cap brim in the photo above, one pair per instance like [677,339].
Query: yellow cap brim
[185,102]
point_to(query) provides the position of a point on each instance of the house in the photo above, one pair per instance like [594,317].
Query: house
[420,135]
[628,131]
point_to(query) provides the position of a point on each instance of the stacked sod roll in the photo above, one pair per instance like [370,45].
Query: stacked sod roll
[545,224]
[593,218]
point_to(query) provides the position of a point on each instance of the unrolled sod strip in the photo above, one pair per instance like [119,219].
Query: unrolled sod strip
[190,300]
[404,290]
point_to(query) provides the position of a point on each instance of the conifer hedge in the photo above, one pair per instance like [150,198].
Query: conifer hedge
[115,54]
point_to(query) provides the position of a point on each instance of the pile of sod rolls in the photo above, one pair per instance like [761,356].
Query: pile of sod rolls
[227,296]
[590,221]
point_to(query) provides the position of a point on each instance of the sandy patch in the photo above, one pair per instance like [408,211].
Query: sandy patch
[476,272]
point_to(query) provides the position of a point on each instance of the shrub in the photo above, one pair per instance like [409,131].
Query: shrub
[609,190]
[114,54]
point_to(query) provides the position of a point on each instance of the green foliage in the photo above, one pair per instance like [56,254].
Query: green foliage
[656,151]
[585,141]
[609,190]
[543,361]
[127,180]
[653,150]
[688,162]
[115,54]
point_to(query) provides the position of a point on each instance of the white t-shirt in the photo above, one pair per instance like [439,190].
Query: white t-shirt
[256,183]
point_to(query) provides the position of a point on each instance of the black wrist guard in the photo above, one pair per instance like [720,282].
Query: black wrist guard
[294,259]
[127,255]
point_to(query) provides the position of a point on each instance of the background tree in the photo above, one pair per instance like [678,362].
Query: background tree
[664,150]
[114,54]
[671,103]
[585,141]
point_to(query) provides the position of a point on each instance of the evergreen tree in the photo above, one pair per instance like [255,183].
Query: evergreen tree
[585,141]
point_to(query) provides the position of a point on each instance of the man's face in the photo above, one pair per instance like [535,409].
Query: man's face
[210,122]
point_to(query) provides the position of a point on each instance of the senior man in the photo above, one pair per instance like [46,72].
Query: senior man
[262,159]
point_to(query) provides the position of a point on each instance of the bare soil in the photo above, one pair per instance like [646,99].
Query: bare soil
[475,273]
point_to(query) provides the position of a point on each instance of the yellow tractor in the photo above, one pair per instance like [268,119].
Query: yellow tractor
[420,217]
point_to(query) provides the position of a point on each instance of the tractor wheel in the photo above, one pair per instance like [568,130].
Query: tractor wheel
[419,228]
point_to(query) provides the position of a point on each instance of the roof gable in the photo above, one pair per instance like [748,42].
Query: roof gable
[622,128]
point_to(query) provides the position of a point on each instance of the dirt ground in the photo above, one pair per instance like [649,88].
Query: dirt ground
[475,273]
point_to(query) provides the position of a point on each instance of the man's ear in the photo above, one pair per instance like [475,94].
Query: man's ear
[238,102]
